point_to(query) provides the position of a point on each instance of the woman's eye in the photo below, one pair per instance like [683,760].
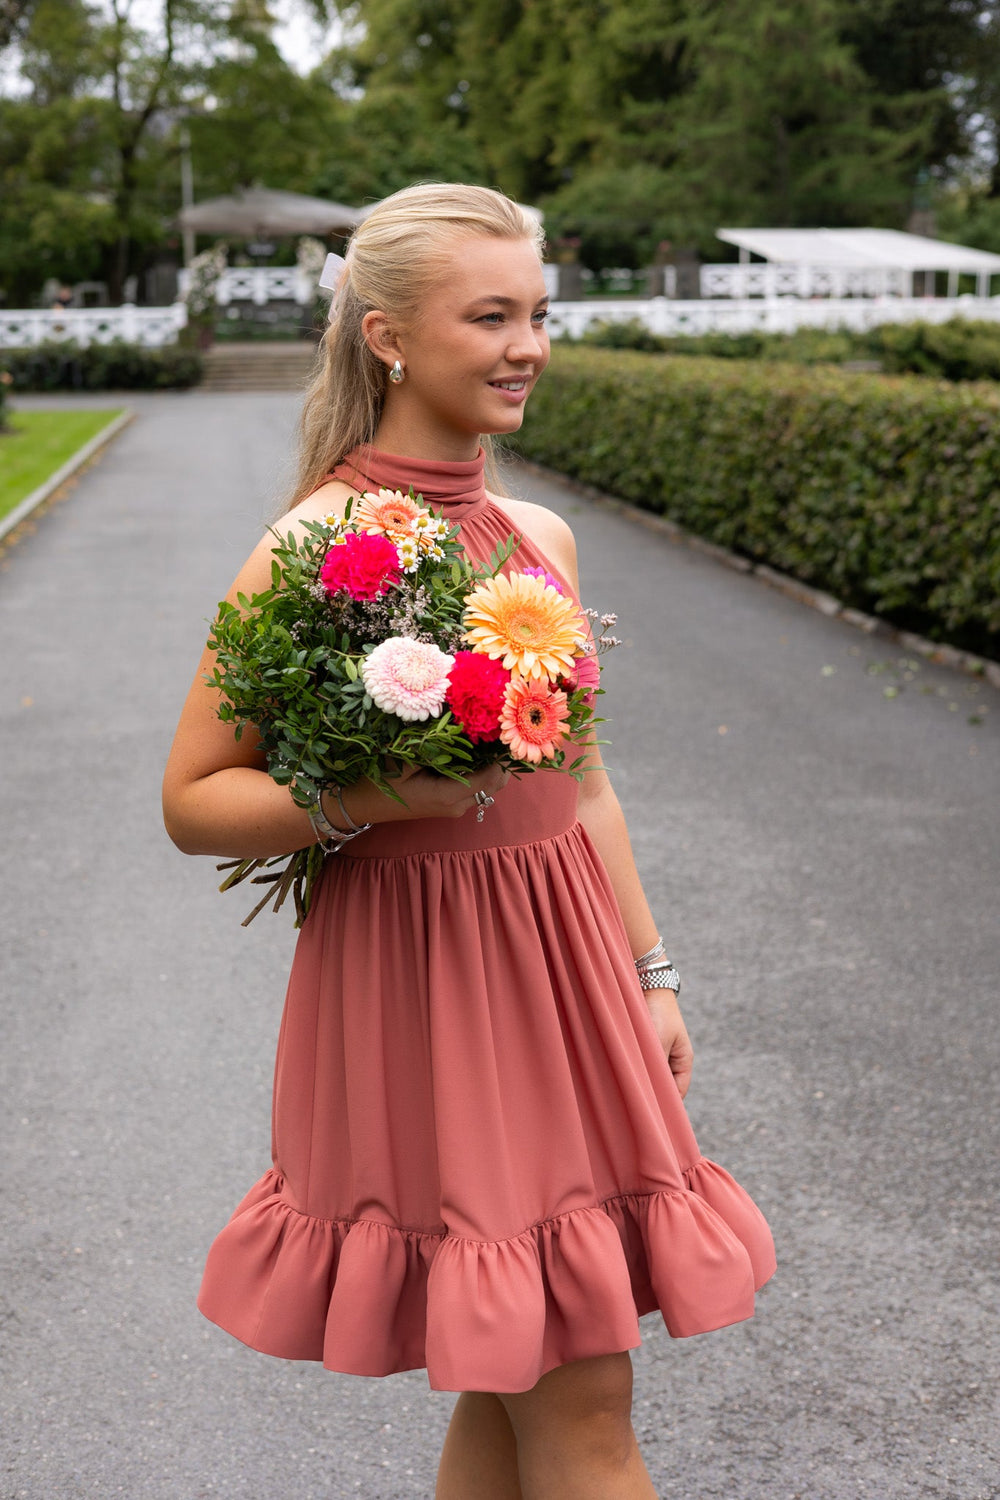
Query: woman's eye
[540,316]
[493,318]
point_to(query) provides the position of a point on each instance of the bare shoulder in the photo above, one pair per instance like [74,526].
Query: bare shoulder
[550,533]
[330,499]
[255,574]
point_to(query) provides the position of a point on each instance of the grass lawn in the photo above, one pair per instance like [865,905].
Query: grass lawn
[34,444]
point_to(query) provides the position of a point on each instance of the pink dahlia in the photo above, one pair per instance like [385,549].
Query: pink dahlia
[407,678]
[476,685]
[545,577]
[363,564]
[586,674]
[533,718]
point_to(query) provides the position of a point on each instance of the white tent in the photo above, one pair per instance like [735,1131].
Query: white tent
[888,249]
[258,213]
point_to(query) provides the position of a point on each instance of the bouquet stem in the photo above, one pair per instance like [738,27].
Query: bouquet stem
[297,875]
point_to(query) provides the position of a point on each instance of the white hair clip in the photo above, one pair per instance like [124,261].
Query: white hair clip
[331,276]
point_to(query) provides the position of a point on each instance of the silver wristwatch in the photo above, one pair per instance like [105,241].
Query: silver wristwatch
[660,977]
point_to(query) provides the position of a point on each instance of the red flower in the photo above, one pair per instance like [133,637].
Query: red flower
[476,685]
[364,564]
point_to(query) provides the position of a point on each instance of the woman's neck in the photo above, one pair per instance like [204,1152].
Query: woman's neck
[418,440]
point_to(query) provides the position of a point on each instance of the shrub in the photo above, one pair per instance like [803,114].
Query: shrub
[59,366]
[960,349]
[881,489]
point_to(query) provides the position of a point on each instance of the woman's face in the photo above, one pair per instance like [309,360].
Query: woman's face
[478,345]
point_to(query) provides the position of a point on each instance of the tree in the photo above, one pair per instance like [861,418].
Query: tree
[636,120]
[89,155]
[781,125]
[260,121]
[14,16]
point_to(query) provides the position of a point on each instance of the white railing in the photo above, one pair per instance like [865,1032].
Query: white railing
[668,318]
[151,326]
[777,280]
[259,285]
[154,326]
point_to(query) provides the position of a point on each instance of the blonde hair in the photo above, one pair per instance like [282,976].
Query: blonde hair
[392,260]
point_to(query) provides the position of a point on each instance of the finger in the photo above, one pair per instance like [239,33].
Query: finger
[681,1066]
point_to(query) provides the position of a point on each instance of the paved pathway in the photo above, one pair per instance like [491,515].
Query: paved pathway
[826,864]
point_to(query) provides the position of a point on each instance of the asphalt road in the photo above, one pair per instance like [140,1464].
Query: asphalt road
[826,863]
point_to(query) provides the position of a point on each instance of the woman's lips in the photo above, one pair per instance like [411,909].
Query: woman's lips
[513,390]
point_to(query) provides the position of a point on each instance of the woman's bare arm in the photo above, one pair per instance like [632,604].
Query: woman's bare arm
[601,815]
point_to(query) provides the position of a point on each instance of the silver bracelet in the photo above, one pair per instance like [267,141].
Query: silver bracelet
[657,951]
[660,977]
[354,827]
[330,838]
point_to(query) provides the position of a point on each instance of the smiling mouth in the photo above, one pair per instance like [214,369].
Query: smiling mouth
[510,385]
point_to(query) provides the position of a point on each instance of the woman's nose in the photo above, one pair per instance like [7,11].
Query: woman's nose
[527,342]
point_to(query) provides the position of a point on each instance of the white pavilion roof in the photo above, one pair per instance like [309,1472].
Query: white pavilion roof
[860,247]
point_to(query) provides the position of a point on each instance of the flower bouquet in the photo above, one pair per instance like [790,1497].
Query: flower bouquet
[380,646]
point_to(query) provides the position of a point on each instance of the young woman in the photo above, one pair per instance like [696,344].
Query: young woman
[482,1164]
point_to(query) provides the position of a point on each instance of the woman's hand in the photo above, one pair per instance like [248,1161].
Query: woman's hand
[673,1035]
[426,795]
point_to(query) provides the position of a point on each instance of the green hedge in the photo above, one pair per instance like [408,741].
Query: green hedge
[961,349]
[117,366]
[883,490]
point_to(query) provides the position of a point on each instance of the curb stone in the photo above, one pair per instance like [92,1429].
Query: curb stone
[933,651]
[82,456]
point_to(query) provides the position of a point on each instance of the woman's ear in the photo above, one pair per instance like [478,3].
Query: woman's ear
[381,338]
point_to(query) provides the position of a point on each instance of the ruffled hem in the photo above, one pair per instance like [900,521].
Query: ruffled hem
[369,1298]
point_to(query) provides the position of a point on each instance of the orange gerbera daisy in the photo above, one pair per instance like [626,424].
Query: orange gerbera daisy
[532,719]
[525,623]
[390,512]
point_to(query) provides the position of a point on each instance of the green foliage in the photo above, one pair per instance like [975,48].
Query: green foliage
[630,122]
[970,217]
[783,126]
[288,666]
[882,490]
[389,143]
[634,123]
[267,124]
[90,176]
[117,366]
[961,349]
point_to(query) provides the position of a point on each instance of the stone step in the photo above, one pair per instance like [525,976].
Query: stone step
[258,367]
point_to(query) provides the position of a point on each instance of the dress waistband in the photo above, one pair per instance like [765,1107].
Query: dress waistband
[528,810]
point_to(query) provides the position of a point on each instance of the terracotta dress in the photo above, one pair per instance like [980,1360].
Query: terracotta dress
[482,1165]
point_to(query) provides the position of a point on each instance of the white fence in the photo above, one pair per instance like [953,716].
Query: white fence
[260,285]
[151,326]
[777,280]
[663,316]
[154,326]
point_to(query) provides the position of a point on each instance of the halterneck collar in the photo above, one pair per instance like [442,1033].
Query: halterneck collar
[458,488]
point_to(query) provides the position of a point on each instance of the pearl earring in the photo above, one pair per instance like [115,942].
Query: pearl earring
[396,373]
